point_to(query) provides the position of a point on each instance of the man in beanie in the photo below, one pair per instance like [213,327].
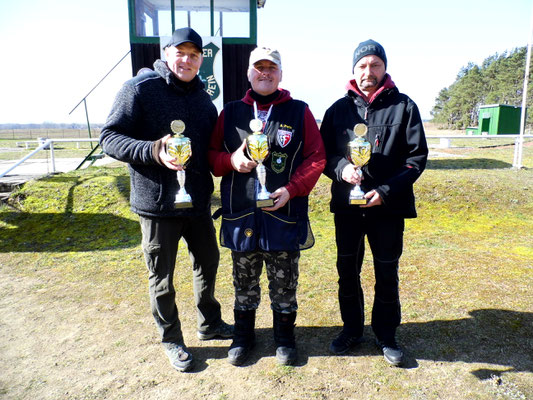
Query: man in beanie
[399,153]
[136,132]
[275,234]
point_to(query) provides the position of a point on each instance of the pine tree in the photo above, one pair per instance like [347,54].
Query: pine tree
[499,80]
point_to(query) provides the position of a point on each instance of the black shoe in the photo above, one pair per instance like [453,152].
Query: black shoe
[243,337]
[221,331]
[286,355]
[344,342]
[179,357]
[239,354]
[392,353]
[284,337]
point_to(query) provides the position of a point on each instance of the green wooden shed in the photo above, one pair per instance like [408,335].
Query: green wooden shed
[498,119]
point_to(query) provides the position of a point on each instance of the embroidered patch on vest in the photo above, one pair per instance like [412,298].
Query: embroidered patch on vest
[279,160]
[284,135]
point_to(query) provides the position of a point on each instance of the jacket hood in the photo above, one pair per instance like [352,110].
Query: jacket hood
[351,86]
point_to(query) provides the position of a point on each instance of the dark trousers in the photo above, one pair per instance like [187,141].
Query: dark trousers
[385,237]
[160,237]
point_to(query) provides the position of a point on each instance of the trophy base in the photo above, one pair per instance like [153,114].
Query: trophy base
[264,203]
[183,204]
[362,201]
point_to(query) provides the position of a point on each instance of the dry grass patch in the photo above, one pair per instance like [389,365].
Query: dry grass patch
[75,316]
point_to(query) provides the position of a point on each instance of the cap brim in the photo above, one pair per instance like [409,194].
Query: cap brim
[176,44]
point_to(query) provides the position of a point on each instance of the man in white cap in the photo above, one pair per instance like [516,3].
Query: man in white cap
[274,234]
[395,132]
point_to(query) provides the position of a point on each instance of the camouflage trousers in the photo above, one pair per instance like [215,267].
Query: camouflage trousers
[282,273]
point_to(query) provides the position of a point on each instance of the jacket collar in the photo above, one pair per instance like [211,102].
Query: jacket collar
[283,97]
[353,89]
[162,69]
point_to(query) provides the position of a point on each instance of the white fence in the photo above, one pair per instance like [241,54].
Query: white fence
[45,145]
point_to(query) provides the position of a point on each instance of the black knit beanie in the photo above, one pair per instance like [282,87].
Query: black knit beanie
[367,48]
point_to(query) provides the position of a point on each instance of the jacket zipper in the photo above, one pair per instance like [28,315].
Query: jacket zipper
[377,142]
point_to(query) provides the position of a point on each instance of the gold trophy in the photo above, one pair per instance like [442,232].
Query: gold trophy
[359,151]
[257,147]
[179,147]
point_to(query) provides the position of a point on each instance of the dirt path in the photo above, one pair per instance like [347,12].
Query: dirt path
[59,345]
[60,341]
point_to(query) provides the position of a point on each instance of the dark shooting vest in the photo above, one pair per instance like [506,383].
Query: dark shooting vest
[238,191]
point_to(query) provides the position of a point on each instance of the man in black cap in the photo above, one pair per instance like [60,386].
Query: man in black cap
[399,153]
[136,132]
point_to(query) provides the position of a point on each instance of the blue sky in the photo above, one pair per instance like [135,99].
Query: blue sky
[53,53]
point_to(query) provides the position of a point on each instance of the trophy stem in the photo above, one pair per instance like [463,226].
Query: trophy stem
[357,196]
[183,199]
[263,197]
[181,179]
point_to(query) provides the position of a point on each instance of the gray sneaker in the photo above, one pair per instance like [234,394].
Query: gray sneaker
[179,357]
[221,331]
[392,352]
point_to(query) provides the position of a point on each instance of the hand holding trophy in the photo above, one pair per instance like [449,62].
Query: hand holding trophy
[257,148]
[179,147]
[359,151]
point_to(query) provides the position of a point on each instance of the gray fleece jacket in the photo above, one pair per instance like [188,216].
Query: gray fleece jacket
[139,118]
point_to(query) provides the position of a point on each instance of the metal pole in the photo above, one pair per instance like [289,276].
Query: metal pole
[88,124]
[111,70]
[212,16]
[517,162]
[52,157]
[173,15]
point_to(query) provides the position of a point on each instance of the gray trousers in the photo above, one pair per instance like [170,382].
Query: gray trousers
[160,237]
[282,273]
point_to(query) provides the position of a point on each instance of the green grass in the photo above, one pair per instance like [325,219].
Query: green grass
[466,280]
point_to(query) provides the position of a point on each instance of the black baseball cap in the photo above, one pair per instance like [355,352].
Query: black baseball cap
[184,35]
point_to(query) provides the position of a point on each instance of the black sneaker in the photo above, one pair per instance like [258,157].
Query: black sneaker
[344,342]
[179,357]
[222,331]
[392,352]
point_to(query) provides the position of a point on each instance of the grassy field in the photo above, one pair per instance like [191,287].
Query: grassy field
[74,307]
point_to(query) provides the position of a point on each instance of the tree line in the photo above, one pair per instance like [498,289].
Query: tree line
[498,80]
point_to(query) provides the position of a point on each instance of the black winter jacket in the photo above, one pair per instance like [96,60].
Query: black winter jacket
[399,149]
[141,115]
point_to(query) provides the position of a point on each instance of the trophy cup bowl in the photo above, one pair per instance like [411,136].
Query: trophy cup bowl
[179,148]
[359,151]
[257,148]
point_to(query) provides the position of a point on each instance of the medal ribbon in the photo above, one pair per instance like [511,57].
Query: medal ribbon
[256,114]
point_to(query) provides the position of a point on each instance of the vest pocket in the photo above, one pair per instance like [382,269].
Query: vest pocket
[237,231]
[280,232]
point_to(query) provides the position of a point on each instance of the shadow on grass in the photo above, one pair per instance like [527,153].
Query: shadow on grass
[499,337]
[47,232]
[467,163]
